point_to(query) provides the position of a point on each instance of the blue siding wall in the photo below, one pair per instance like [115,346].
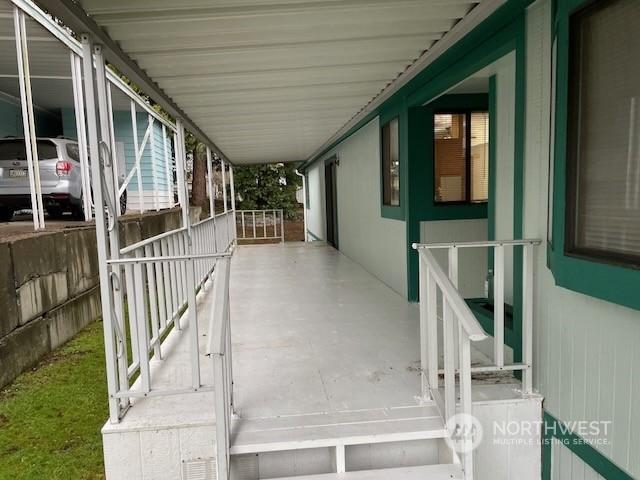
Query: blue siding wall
[124,133]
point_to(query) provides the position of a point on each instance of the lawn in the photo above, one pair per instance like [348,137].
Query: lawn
[50,417]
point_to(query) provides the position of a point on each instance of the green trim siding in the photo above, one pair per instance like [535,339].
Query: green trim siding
[576,444]
[421,205]
[608,282]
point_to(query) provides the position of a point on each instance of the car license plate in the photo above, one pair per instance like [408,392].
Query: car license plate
[17,173]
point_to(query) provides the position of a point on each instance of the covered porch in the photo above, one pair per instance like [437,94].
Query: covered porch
[326,378]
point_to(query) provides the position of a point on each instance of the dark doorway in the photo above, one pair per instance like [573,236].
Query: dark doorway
[331,201]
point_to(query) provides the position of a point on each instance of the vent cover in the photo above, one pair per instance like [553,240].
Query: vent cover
[199,469]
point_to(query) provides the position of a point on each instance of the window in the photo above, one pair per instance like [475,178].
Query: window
[16,150]
[461,152]
[390,164]
[307,199]
[603,143]
[73,151]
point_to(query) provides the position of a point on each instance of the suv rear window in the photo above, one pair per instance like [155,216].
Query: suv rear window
[15,150]
[73,151]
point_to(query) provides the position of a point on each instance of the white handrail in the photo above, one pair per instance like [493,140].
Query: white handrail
[458,317]
[465,316]
[219,349]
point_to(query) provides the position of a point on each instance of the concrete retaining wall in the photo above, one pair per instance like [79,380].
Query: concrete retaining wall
[49,287]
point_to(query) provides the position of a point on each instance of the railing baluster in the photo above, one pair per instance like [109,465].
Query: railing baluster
[466,402]
[156,251]
[432,328]
[244,232]
[424,334]
[282,224]
[264,223]
[498,305]
[140,322]
[527,318]
[453,276]
[449,360]
[275,223]
[253,213]
[193,324]
[153,303]
[131,311]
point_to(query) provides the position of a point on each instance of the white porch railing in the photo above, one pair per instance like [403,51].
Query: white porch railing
[260,224]
[219,349]
[459,321]
[155,282]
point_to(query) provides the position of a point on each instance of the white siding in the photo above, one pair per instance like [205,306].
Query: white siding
[376,243]
[504,138]
[316,224]
[472,262]
[586,360]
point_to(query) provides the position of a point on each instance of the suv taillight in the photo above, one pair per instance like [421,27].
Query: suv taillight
[63,168]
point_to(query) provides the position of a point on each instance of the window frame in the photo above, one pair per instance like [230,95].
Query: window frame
[593,277]
[467,155]
[393,212]
[571,247]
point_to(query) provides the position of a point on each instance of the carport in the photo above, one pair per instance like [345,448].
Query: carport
[42,96]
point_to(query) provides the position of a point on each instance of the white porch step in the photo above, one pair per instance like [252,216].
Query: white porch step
[430,472]
[339,428]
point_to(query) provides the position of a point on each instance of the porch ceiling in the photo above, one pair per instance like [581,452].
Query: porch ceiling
[271,80]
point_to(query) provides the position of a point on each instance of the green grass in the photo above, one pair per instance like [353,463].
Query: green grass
[50,417]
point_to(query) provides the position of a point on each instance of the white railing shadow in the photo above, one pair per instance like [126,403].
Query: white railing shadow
[461,327]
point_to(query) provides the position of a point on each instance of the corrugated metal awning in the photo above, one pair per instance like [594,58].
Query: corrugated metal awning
[271,80]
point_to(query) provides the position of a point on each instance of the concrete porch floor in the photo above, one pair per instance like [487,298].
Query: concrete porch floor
[312,332]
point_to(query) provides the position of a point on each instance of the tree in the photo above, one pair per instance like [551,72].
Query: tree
[199,178]
[263,187]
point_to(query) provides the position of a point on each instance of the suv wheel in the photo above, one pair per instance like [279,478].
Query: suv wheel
[6,214]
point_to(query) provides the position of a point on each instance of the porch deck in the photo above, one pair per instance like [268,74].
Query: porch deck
[313,332]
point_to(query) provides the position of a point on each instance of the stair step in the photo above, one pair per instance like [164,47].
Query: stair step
[338,428]
[429,472]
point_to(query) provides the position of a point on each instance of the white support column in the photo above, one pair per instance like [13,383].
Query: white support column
[109,170]
[224,184]
[212,203]
[115,168]
[28,118]
[154,170]
[167,164]
[101,237]
[78,104]
[134,128]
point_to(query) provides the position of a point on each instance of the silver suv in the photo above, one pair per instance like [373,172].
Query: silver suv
[60,177]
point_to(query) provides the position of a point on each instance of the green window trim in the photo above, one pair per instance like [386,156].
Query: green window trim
[588,454]
[609,282]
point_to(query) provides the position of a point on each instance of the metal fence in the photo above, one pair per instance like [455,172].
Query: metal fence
[260,224]
[154,287]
